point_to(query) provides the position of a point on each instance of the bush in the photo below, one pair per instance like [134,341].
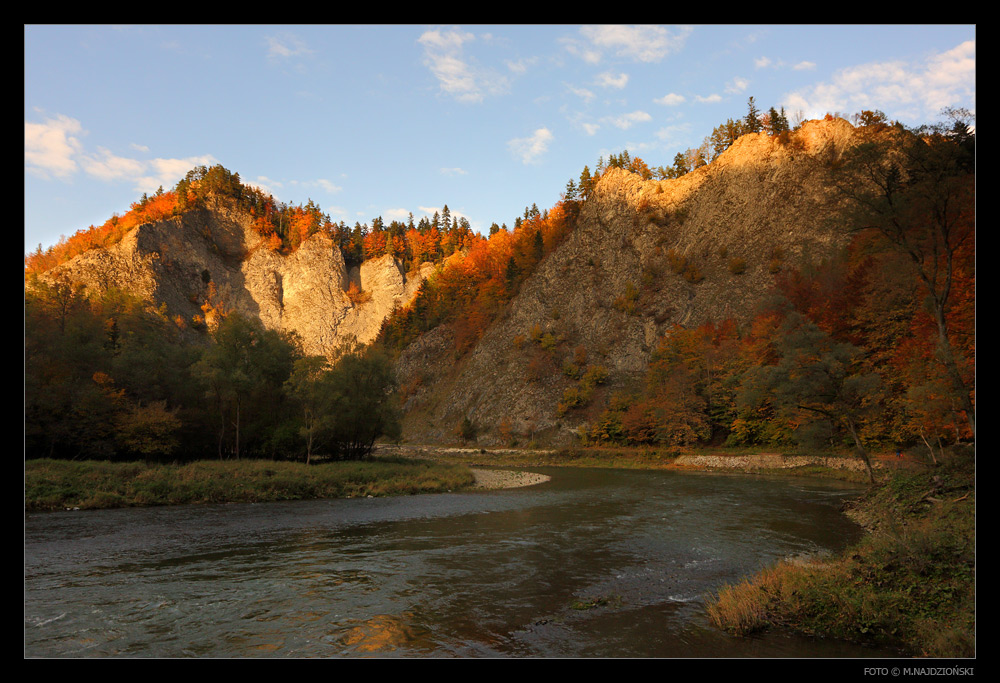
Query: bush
[627,301]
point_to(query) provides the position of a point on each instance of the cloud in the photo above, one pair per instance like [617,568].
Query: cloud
[708,99]
[454,171]
[918,90]
[674,135]
[53,149]
[637,43]
[401,215]
[108,167]
[610,80]
[520,66]
[529,149]
[50,147]
[584,93]
[737,85]
[670,99]
[765,62]
[444,56]
[286,45]
[625,121]
[264,184]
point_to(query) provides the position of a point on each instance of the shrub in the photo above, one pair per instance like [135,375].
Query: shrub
[595,375]
[737,266]
[356,295]
[693,274]
[627,301]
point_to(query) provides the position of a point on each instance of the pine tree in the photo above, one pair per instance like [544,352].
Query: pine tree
[752,120]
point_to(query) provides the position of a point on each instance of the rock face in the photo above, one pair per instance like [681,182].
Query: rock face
[645,256]
[214,256]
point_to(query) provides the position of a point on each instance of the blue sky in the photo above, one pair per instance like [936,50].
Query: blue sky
[385,120]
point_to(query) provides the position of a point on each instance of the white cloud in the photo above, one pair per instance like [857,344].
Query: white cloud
[584,52]
[584,93]
[53,148]
[50,147]
[611,80]
[529,149]
[454,171]
[670,99]
[765,62]
[674,135]
[401,215]
[708,99]
[737,85]
[918,90]
[107,166]
[286,45]
[520,66]
[443,55]
[625,121]
[638,43]
[328,186]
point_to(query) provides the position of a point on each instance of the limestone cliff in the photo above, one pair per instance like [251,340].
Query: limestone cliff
[213,256]
[645,256]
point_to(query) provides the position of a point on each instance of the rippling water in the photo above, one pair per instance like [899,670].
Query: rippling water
[598,563]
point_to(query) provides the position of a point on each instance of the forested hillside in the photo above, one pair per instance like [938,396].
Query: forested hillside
[781,286]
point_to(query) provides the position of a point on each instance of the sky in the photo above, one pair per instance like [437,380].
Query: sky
[389,120]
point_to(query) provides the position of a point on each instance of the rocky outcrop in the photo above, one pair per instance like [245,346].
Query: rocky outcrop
[210,260]
[646,255]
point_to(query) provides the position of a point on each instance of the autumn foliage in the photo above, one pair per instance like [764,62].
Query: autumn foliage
[875,347]
[468,292]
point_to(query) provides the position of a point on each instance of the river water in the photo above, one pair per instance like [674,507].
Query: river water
[594,563]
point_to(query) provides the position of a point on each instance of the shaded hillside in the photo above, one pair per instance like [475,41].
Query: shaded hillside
[645,255]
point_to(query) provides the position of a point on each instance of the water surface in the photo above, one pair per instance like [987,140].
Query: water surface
[595,563]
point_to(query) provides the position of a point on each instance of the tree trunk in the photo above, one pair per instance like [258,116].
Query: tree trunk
[861,451]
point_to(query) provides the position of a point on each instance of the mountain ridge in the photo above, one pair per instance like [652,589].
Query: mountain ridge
[645,256]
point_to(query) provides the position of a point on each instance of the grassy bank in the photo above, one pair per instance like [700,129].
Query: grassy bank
[60,484]
[910,582]
[618,458]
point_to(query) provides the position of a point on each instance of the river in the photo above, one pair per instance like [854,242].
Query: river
[594,563]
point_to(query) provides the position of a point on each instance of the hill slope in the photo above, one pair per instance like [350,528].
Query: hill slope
[645,256]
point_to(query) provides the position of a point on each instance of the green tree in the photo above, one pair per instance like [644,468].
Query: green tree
[362,403]
[751,123]
[817,384]
[244,369]
[307,385]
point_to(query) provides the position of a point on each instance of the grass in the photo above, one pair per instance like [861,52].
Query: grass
[60,484]
[611,457]
[909,583]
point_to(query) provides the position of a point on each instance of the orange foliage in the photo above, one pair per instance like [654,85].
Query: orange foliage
[155,208]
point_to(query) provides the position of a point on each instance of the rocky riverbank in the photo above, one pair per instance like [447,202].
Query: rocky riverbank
[506,479]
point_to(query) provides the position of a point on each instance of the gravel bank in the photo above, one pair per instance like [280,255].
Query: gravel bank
[506,479]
